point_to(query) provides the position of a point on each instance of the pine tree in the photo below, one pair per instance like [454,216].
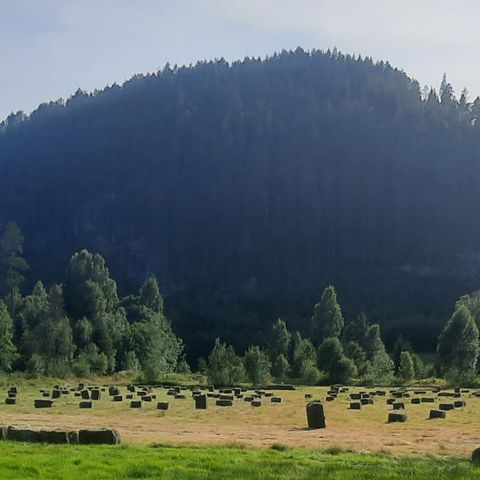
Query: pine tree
[327,320]
[458,346]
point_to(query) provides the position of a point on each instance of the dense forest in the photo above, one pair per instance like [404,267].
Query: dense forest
[83,327]
[247,188]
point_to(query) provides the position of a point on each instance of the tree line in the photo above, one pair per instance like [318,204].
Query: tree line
[84,327]
[81,326]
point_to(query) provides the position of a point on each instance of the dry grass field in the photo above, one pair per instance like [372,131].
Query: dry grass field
[365,430]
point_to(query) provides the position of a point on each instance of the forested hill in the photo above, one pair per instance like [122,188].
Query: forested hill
[248,187]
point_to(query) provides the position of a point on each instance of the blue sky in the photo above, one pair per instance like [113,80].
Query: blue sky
[49,48]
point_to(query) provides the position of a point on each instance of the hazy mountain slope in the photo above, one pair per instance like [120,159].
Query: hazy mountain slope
[247,188]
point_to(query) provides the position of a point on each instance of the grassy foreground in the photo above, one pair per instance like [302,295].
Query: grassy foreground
[46,462]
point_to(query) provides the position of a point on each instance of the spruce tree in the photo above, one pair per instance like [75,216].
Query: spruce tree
[327,320]
[458,346]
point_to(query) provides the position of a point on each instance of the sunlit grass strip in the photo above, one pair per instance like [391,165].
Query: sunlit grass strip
[24,461]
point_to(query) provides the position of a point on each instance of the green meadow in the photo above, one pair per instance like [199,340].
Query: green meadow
[48,462]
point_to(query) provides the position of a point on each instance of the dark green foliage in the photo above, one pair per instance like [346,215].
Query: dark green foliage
[35,365]
[356,353]
[401,345]
[257,366]
[458,346]
[304,356]
[406,369]
[332,360]
[329,353]
[224,367]
[87,329]
[345,371]
[12,263]
[150,295]
[8,351]
[327,319]
[279,341]
[280,368]
[356,330]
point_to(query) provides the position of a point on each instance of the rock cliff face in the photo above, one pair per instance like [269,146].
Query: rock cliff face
[247,188]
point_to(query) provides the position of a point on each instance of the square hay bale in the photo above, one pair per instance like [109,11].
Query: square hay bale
[428,400]
[459,403]
[446,406]
[53,436]
[397,417]
[355,405]
[86,404]
[398,405]
[43,403]
[97,437]
[162,405]
[96,395]
[315,415]
[437,414]
[276,400]
[201,402]
[224,403]
[20,434]
[11,401]
[416,401]
[136,404]
[117,398]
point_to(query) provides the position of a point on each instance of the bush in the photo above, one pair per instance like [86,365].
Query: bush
[36,365]
[81,366]
[310,375]
[58,367]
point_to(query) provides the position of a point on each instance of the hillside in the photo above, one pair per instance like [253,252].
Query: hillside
[247,188]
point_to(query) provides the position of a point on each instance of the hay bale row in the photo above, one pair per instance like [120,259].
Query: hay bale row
[85,437]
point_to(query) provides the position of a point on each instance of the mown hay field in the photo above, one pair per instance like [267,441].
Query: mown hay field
[241,425]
